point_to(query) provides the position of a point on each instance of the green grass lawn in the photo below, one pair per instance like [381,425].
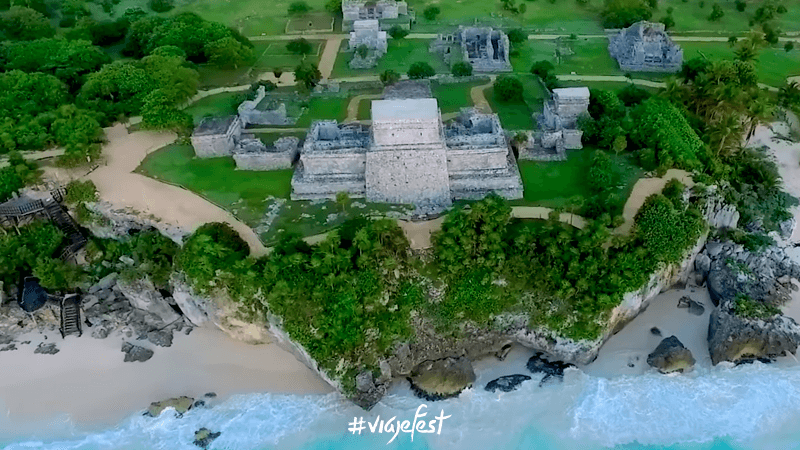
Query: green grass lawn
[214,77]
[453,97]
[774,63]
[273,55]
[324,108]
[541,15]
[365,109]
[244,193]
[400,55]
[553,184]
[312,22]
[690,16]
[590,57]
[518,115]
[224,104]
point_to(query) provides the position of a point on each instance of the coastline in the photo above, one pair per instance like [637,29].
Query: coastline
[87,386]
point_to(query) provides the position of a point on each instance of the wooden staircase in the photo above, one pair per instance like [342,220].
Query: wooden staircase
[70,315]
[67,224]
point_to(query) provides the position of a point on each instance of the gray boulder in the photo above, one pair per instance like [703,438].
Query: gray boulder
[442,378]
[105,283]
[671,356]
[204,437]
[507,383]
[702,264]
[368,390]
[160,338]
[787,227]
[135,353]
[695,308]
[733,338]
[46,349]
[180,404]
[143,295]
[539,363]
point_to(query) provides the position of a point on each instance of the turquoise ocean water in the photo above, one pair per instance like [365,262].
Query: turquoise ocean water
[751,406]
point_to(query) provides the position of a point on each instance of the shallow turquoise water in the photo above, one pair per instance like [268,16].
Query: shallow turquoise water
[720,408]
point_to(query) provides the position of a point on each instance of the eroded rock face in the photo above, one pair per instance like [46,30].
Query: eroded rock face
[733,338]
[671,356]
[143,295]
[442,378]
[507,383]
[180,404]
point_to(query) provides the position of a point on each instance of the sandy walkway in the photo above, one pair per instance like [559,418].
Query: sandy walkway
[644,188]
[352,107]
[118,185]
[479,97]
[88,380]
[329,55]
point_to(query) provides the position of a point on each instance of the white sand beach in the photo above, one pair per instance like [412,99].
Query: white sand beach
[87,383]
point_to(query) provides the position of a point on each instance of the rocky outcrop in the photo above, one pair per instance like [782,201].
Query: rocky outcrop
[442,378]
[217,310]
[671,356]
[46,349]
[134,353]
[143,295]
[695,308]
[180,404]
[539,363]
[204,437]
[734,338]
[113,223]
[506,383]
[736,270]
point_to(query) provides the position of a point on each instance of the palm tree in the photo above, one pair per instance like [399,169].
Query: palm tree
[757,111]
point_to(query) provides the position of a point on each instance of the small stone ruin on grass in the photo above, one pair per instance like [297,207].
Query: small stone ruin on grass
[367,35]
[485,48]
[264,111]
[645,47]
[558,125]
[390,12]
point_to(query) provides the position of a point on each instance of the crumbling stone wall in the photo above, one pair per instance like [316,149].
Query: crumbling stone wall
[216,137]
[417,177]
[252,154]
[645,47]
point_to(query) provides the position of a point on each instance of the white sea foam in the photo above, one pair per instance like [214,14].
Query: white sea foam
[751,403]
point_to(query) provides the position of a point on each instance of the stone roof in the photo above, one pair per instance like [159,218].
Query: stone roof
[408,89]
[407,109]
[572,92]
[214,125]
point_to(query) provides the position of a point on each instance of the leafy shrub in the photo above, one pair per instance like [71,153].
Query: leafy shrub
[299,46]
[397,32]
[517,36]
[21,253]
[744,306]
[212,247]
[298,7]
[666,230]
[624,13]
[659,125]
[632,95]
[81,191]
[431,12]
[716,13]
[389,76]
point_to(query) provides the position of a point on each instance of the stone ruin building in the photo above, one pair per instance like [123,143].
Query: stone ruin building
[367,33]
[264,111]
[645,47]
[391,11]
[222,136]
[485,48]
[558,125]
[408,156]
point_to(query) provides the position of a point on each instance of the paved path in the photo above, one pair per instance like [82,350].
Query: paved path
[118,185]
[644,188]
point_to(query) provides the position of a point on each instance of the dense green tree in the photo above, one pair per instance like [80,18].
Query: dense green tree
[666,230]
[659,125]
[161,6]
[517,36]
[431,12]
[299,7]
[70,61]
[419,70]
[389,76]
[545,71]
[508,88]
[19,253]
[299,46]
[228,53]
[624,13]
[462,69]
[716,13]
[24,24]
[334,7]
[308,74]
[397,32]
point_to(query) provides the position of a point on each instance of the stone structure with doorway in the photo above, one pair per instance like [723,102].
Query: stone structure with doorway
[252,154]
[645,47]
[485,48]
[367,34]
[264,111]
[387,12]
[558,125]
[408,156]
[216,136]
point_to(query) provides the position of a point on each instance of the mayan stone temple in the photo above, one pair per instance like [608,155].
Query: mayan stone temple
[485,48]
[388,11]
[408,156]
[558,125]
[645,47]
